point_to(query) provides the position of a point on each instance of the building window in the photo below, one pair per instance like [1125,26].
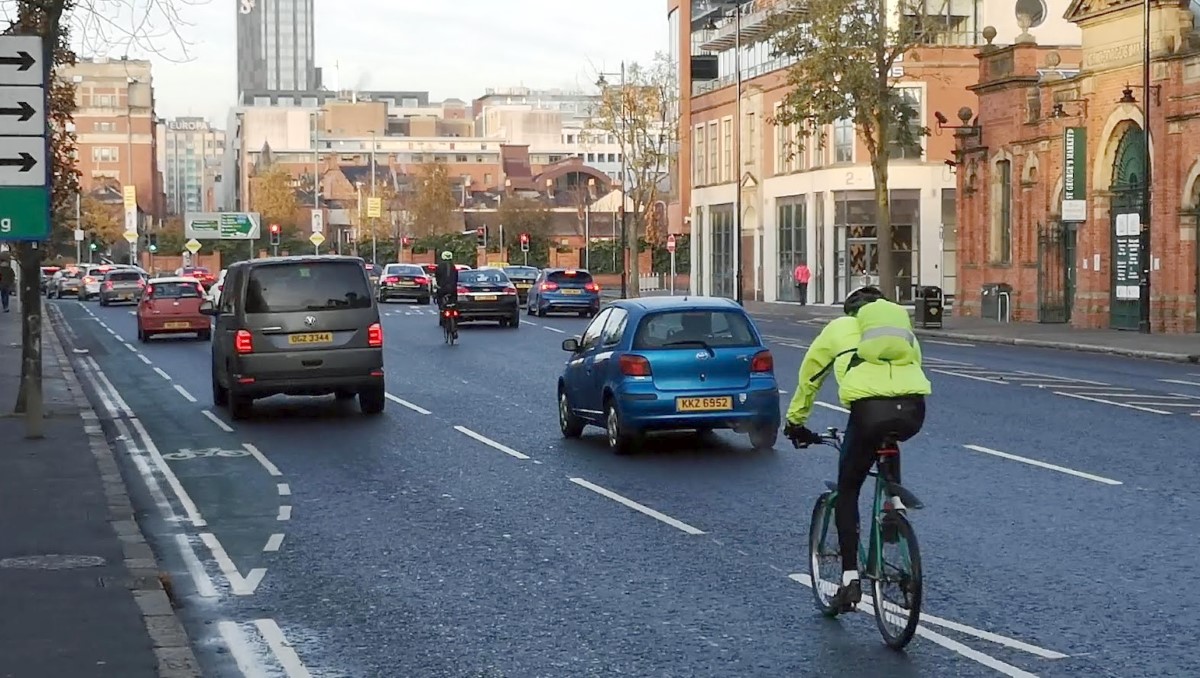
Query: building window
[460,158]
[104,126]
[104,100]
[714,148]
[751,150]
[727,149]
[723,276]
[792,223]
[843,141]
[910,97]
[105,154]
[1002,214]
[699,161]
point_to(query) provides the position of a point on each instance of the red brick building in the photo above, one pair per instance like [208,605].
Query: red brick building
[1075,260]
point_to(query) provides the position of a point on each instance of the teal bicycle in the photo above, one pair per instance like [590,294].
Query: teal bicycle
[897,619]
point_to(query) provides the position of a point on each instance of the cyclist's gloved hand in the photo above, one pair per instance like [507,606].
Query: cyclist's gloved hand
[801,436]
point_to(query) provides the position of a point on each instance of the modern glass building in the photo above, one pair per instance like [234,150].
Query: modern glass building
[190,153]
[275,50]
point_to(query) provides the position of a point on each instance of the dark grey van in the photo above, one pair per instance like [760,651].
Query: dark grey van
[304,325]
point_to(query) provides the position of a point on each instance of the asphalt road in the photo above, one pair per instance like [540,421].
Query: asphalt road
[460,535]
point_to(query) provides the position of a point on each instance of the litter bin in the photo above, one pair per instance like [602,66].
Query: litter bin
[929,306]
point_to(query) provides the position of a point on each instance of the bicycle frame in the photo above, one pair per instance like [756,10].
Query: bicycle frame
[450,313]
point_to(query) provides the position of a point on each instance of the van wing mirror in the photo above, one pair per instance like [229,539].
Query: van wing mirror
[207,308]
[571,345]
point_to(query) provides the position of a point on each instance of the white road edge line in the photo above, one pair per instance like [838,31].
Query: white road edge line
[262,459]
[640,508]
[490,443]
[989,661]
[273,543]
[835,408]
[1109,402]
[285,513]
[288,659]
[217,420]
[949,343]
[183,392]
[238,585]
[204,583]
[1042,464]
[283,489]
[143,358]
[400,401]
[553,329]
[162,373]
[239,648]
[189,506]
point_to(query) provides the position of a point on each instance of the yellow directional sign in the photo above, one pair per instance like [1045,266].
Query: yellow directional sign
[374,208]
[193,246]
[129,194]
[130,237]
[316,239]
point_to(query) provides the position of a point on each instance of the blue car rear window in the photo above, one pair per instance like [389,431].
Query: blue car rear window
[686,329]
[570,277]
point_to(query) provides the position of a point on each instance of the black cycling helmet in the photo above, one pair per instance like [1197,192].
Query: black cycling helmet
[861,297]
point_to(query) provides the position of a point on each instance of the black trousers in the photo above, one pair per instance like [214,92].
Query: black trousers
[872,420]
[802,289]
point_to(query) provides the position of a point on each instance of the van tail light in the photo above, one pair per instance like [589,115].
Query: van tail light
[549,286]
[635,366]
[510,290]
[763,362]
[375,335]
[592,287]
[463,290]
[243,342]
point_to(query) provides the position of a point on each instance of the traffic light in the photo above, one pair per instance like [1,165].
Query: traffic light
[152,243]
[481,237]
[274,234]
[524,242]
[93,245]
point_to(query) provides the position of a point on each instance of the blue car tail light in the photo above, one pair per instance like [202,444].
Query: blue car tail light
[634,366]
[763,361]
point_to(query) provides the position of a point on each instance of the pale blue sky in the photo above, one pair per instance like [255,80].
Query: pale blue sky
[450,48]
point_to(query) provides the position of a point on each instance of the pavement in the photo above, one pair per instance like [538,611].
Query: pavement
[459,534]
[81,595]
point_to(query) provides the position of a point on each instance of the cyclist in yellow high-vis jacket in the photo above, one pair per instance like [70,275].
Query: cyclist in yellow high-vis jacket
[876,359]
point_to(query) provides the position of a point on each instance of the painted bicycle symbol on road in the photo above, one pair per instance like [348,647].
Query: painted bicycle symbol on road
[186,454]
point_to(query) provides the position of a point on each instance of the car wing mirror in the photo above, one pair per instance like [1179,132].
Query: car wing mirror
[571,345]
[207,308]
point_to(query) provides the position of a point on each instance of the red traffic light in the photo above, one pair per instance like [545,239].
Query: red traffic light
[524,238]
[407,241]
[274,228]
[479,232]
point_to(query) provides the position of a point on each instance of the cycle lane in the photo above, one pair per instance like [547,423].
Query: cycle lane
[210,504]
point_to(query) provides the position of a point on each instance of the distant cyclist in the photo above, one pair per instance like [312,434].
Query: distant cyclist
[447,283]
[876,359]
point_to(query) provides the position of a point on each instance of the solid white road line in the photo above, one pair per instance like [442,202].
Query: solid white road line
[148,477]
[217,420]
[968,376]
[238,585]
[400,401]
[113,393]
[1109,402]
[239,648]
[143,358]
[189,506]
[262,459]
[273,543]
[288,659]
[285,513]
[283,489]
[948,343]
[640,508]
[553,329]
[162,373]
[1042,464]
[204,583]
[183,392]
[490,443]
[866,607]
[1180,381]
[835,408]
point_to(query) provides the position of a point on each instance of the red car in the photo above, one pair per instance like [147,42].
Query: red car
[172,306]
[200,273]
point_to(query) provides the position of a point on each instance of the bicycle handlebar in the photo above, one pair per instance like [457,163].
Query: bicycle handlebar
[831,437]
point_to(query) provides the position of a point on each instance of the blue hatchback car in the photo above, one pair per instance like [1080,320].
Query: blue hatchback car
[669,363]
[564,289]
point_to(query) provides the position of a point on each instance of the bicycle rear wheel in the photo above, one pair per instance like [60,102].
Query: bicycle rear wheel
[824,554]
[898,619]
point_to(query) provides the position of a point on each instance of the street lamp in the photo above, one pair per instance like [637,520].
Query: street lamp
[374,250]
[602,83]
[736,5]
[587,223]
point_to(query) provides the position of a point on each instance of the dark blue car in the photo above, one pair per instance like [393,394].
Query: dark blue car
[569,290]
[669,363]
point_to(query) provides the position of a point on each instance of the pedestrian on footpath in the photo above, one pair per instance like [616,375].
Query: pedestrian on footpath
[8,280]
[802,275]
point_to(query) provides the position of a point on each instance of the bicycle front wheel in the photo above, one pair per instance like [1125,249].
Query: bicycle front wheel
[898,616]
[824,554]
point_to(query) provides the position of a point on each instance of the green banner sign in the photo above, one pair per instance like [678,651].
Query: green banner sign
[1074,193]
[221,225]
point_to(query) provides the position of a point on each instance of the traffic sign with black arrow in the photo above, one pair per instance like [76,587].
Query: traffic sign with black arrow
[22,111]
[25,162]
[23,61]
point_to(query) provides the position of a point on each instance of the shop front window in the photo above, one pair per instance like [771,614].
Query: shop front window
[723,267]
[792,223]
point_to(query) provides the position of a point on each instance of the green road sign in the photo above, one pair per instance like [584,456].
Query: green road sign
[24,213]
[221,225]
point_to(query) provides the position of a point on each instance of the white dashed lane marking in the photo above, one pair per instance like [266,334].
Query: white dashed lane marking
[216,420]
[1042,464]
[400,401]
[491,443]
[640,508]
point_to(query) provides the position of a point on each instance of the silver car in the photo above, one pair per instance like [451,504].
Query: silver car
[121,285]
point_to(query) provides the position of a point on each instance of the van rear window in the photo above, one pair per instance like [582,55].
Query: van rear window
[688,329]
[570,277]
[315,286]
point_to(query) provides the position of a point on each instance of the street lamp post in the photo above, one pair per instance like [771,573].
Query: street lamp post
[587,223]
[374,250]
[1144,233]
[601,82]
